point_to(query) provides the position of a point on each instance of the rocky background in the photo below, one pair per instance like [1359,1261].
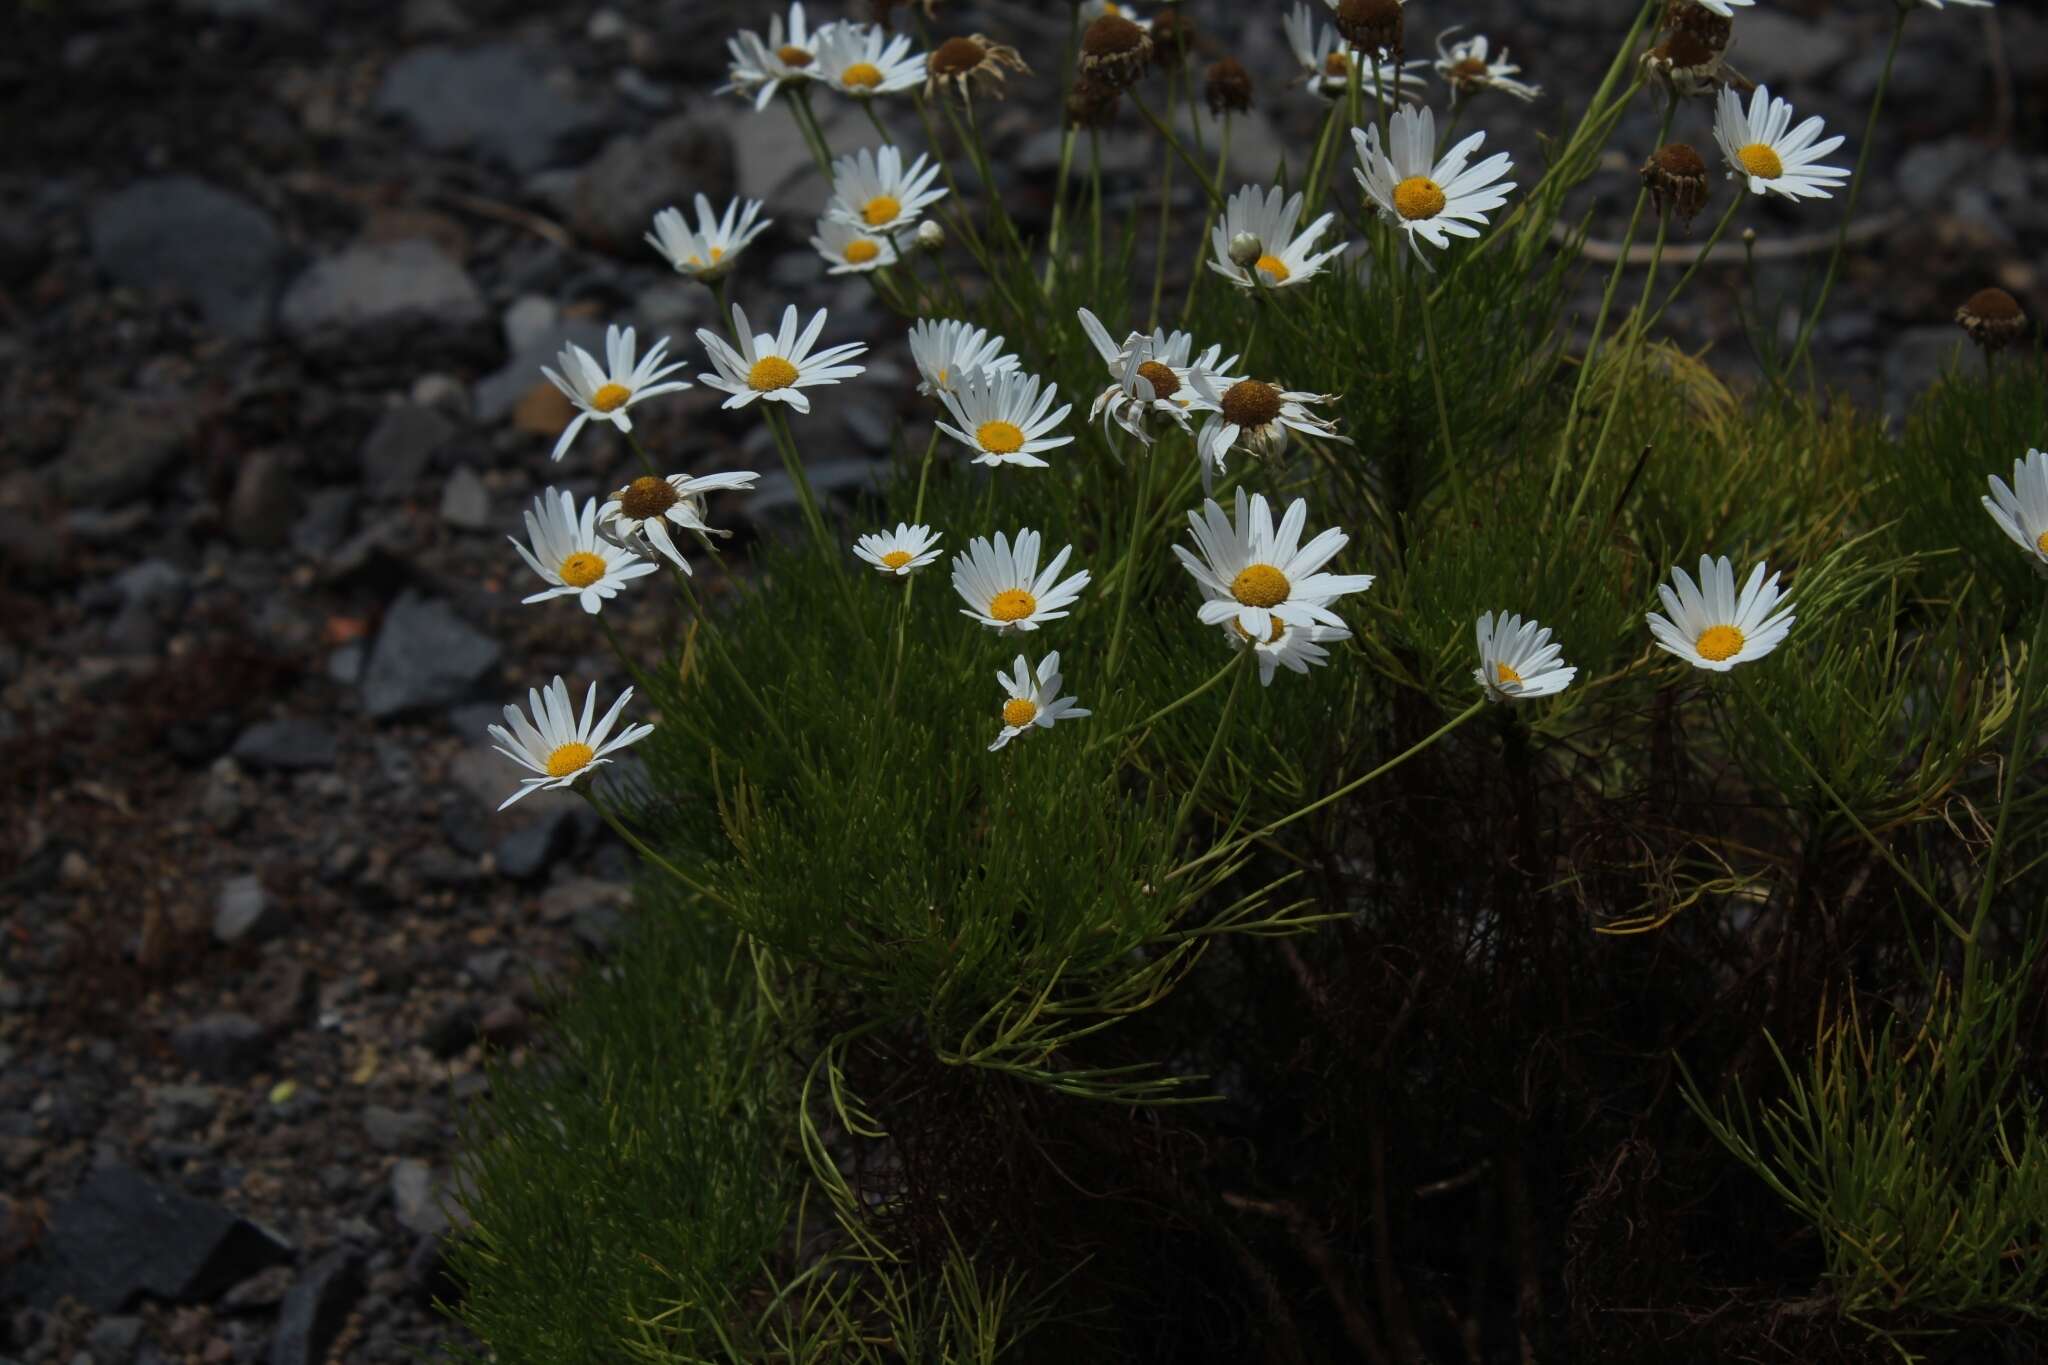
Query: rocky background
[276,277]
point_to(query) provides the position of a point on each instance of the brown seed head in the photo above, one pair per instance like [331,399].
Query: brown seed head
[1249,403]
[966,60]
[1372,24]
[646,497]
[1677,180]
[1993,319]
[1115,52]
[1696,20]
[1228,88]
[1165,383]
[956,57]
[1684,63]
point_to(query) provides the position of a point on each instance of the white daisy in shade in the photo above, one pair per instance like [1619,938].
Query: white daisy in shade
[1760,148]
[567,553]
[1295,648]
[1253,575]
[902,551]
[763,65]
[1286,257]
[604,392]
[1468,67]
[1004,587]
[1326,61]
[1034,702]
[1710,627]
[2021,510]
[777,368]
[863,61]
[1517,660]
[556,744]
[1255,416]
[848,248]
[945,351]
[1725,8]
[872,189]
[640,515]
[1154,376]
[1091,10]
[1004,418]
[1424,195]
[707,252]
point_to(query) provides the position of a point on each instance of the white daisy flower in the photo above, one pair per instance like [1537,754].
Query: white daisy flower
[2021,510]
[1326,61]
[862,61]
[1286,257]
[567,553]
[1710,627]
[1254,576]
[638,516]
[1004,587]
[1255,415]
[848,248]
[872,189]
[605,392]
[1427,196]
[1517,660]
[1296,648]
[1468,69]
[1004,418]
[708,252]
[902,551]
[763,65]
[1153,375]
[1759,148]
[1725,8]
[945,351]
[555,743]
[1091,10]
[1035,703]
[776,368]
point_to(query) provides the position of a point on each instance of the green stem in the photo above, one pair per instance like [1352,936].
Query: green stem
[1165,216]
[639,846]
[1973,942]
[1201,172]
[1129,567]
[1245,663]
[1198,271]
[1706,250]
[1855,188]
[1218,676]
[1637,339]
[633,670]
[1443,413]
[785,446]
[807,124]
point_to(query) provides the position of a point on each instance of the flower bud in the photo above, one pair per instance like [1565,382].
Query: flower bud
[930,236]
[1245,250]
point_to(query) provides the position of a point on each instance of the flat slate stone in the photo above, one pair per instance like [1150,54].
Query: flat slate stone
[425,656]
[493,100]
[178,232]
[377,286]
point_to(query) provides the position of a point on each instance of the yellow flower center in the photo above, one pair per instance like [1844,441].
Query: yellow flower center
[1019,711]
[1760,161]
[896,559]
[1468,70]
[771,372]
[999,437]
[1260,585]
[1012,604]
[2041,543]
[571,757]
[697,262]
[792,55]
[1336,64]
[865,75]
[582,569]
[861,250]
[1274,266]
[1507,674]
[883,208]
[610,398]
[1718,642]
[647,497]
[1418,197]
[1272,636]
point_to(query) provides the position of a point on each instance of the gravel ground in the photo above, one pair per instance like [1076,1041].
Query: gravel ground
[276,278]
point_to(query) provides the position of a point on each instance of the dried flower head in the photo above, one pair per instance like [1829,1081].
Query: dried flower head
[1685,64]
[1676,177]
[1372,24]
[1228,87]
[1993,319]
[1091,103]
[1173,38]
[967,60]
[1711,27]
[1115,52]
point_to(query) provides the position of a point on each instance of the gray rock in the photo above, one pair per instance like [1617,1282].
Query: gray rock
[617,195]
[465,502]
[1927,169]
[500,392]
[394,1130]
[316,1308]
[264,504]
[156,585]
[293,744]
[1779,50]
[415,1197]
[345,665]
[273,11]
[425,656]
[529,320]
[325,523]
[121,448]
[113,1340]
[244,913]
[531,849]
[395,453]
[122,1237]
[495,101]
[378,286]
[183,234]
[432,19]
[176,1109]
[222,1047]
[32,548]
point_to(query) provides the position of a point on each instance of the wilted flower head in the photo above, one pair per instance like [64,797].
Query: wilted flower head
[1115,52]
[1227,86]
[965,61]
[1993,319]
[1676,177]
